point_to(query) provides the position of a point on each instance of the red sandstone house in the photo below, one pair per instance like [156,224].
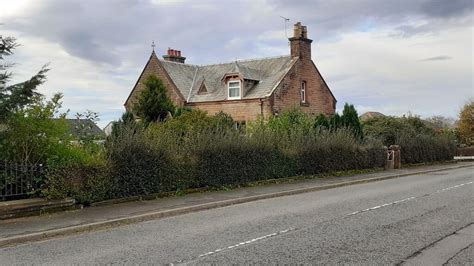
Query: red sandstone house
[244,89]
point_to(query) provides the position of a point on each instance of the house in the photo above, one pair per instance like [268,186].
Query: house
[244,89]
[108,128]
[369,115]
[80,128]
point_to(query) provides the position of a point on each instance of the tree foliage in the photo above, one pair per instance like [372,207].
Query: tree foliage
[153,103]
[33,135]
[466,124]
[14,97]
[349,120]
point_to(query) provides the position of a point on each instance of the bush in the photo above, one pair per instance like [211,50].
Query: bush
[85,183]
[78,171]
[228,158]
[420,148]
[418,142]
[136,166]
[325,151]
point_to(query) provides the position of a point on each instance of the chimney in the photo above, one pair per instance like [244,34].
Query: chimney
[174,56]
[299,43]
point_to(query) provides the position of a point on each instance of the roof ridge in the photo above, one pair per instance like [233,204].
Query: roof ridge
[246,60]
[178,63]
[230,62]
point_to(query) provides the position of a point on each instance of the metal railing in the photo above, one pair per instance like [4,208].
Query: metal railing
[19,180]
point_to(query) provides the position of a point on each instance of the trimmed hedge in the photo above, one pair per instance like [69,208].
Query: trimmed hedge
[421,148]
[419,143]
[196,150]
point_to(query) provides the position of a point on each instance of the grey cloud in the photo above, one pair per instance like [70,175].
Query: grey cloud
[336,17]
[100,31]
[437,58]
[446,8]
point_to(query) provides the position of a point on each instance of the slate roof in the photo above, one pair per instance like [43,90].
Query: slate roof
[266,73]
[90,128]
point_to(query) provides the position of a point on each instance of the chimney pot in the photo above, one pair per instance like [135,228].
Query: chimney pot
[174,56]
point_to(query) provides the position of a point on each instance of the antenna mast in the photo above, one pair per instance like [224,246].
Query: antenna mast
[286,20]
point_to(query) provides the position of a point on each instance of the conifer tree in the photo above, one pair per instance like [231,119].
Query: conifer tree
[15,97]
[350,120]
[154,105]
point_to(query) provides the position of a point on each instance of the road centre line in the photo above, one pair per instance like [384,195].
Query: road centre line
[236,245]
[407,199]
[247,242]
[293,229]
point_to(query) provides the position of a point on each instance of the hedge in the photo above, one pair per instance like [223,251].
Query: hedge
[196,150]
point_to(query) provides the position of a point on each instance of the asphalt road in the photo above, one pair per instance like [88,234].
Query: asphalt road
[424,219]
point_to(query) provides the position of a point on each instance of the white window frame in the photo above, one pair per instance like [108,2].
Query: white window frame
[303,92]
[240,90]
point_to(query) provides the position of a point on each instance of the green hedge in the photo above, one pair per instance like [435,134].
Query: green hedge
[196,150]
[421,148]
[419,142]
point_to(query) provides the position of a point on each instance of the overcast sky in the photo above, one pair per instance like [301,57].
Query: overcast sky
[392,56]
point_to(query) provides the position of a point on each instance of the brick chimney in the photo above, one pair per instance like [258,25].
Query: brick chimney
[300,44]
[174,55]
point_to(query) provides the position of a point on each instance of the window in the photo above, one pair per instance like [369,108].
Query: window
[234,89]
[303,92]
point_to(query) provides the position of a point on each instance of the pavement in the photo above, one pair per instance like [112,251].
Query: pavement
[423,219]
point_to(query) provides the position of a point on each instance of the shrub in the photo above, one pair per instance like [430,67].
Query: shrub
[78,171]
[85,183]
[325,151]
[465,127]
[420,148]
[137,168]
[419,142]
[228,158]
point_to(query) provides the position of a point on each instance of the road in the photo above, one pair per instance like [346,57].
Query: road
[421,219]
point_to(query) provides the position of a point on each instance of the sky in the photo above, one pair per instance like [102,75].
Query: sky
[394,57]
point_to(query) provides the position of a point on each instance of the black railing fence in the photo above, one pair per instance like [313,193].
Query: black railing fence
[19,180]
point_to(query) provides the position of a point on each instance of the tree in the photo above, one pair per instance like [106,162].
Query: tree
[33,135]
[321,121]
[350,120]
[154,104]
[16,96]
[466,124]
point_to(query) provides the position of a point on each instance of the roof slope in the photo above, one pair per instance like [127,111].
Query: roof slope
[268,72]
[84,127]
[369,115]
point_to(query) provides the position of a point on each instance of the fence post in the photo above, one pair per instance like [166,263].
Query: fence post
[397,156]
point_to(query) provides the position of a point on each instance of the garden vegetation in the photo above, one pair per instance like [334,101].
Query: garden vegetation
[162,148]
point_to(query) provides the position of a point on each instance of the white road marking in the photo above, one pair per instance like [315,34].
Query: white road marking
[247,242]
[407,199]
[292,229]
[456,186]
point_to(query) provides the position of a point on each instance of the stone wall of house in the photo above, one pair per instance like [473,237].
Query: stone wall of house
[154,67]
[318,96]
[240,110]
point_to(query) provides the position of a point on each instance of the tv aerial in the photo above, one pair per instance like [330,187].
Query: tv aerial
[286,20]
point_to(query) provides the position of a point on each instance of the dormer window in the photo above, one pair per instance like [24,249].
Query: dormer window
[303,92]
[234,89]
